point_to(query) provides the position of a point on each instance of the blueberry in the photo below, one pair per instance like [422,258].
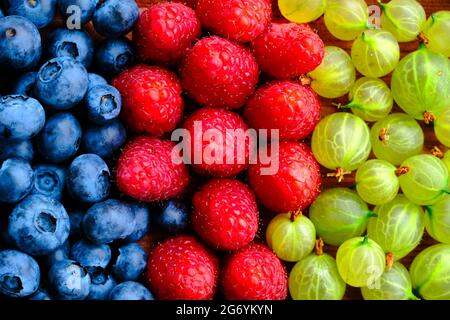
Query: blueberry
[95,80]
[114,56]
[173,217]
[88,179]
[16,180]
[91,255]
[60,254]
[108,221]
[101,285]
[40,12]
[25,84]
[115,18]
[76,44]
[61,83]
[13,124]
[131,290]
[76,217]
[60,139]
[142,218]
[103,104]
[19,274]
[20,43]
[16,149]
[39,225]
[104,140]
[69,281]
[49,180]
[87,8]
[130,263]
[40,295]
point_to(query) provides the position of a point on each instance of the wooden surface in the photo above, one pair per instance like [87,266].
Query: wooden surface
[327,108]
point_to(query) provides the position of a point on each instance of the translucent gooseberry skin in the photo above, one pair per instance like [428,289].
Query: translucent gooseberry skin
[446,161]
[341,140]
[437,220]
[430,273]
[370,99]
[426,180]
[335,76]
[405,19]
[339,214]
[421,83]
[316,277]
[291,240]
[360,261]
[442,127]
[394,284]
[302,11]
[346,19]
[375,53]
[403,138]
[377,182]
[398,227]
[436,32]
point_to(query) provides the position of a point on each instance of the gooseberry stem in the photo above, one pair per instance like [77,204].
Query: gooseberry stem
[295,215]
[319,247]
[401,171]
[437,152]
[371,214]
[384,136]
[337,105]
[365,240]
[339,174]
[305,80]
[428,117]
[350,105]
[423,41]
[389,260]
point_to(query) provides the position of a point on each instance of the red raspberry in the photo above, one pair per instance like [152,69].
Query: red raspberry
[164,32]
[146,172]
[181,268]
[296,184]
[287,106]
[237,20]
[151,99]
[233,147]
[287,50]
[225,214]
[219,73]
[189,3]
[254,273]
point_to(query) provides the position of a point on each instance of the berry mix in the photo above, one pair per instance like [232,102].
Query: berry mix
[95,206]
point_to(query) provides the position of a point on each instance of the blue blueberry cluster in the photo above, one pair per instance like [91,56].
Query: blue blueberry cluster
[65,233]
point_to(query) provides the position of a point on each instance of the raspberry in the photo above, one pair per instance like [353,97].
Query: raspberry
[219,73]
[287,50]
[181,268]
[291,108]
[254,273]
[145,170]
[164,32]
[220,121]
[151,99]
[225,214]
[296,184]
[237,20]
[189,3]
